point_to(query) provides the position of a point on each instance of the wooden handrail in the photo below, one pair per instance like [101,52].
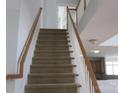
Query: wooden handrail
[78,4]
[85,4]
[87,62]
[25,50]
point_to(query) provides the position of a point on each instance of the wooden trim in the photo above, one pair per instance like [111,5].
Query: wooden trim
[85,5]
[25,51]
[78,4]
[87,62]
[73,9]
[76,17]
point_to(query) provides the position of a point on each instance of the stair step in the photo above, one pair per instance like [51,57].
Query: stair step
[53,37]
[52,68]
[49,78]
[52,43]
[54,51]
[53,58]
[52,88]
[51,62]
[52,33]
[57,44]
[53,46]
[53,75]
[51,55]
[55,34]
[53,30]
[53,40]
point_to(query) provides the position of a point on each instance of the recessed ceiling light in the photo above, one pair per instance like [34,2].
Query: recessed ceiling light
[81,55]
[96,51]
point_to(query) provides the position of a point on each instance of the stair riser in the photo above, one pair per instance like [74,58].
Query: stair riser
[51,53]
[51,62]
[51,70]
[47,80]
[51,48]
[53,30]
[53,38]
[54,46]
[64,60]
[53,33]
[53,43]
[50,56]
[52,90]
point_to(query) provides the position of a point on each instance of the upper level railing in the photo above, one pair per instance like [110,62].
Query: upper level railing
[24,52]
[79,10]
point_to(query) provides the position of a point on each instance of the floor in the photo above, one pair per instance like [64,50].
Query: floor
[108,86]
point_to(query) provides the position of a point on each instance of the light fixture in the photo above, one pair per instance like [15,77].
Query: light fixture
[81,55]
[93,41]
[96,51]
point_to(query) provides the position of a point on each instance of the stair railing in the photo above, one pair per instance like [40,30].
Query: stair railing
[79,9]
[24,52]
[89,81]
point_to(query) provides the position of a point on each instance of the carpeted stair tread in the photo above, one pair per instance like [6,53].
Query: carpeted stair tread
[52,75]
[53,58]
[53,66]
[55,51]
[53,85]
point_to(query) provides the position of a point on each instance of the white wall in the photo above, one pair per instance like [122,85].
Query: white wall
[79,60]
[20,84]
[111,58]
[93,6]
[20,17]
[50,12]
[27,16]
[12,16]
[12,23]
[80,11]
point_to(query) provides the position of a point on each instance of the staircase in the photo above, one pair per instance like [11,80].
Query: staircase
[51,70]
